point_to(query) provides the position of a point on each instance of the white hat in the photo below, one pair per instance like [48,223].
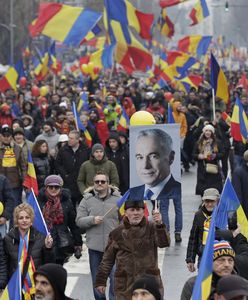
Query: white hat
[63,138]
[208,127]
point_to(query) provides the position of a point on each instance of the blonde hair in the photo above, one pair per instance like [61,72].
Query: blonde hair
[23,207]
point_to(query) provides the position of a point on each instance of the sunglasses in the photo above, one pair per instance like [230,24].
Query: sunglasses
[54,187]
[100,181]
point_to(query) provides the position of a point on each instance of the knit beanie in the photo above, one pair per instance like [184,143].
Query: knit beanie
[54,180]
[57,276]
[148,283]
[97,147]
[223,248]
[18,130]
[208,127]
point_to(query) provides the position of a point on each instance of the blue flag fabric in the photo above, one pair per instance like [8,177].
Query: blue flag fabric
[39,222]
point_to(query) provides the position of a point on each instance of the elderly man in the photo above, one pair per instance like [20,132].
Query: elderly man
[132,246]
[154,155]
[50,282]
[98,215]
[223,265]
[200,226]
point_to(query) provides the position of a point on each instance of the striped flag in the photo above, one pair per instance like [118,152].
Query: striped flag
[64,23]
[13,290]
[199,12]
[120,203]
[30,180]
[80,126]
[124,121]
[28,287]
[218,80]
[39,221]
[229,201]
[202,286]
[239,123]
[165,25]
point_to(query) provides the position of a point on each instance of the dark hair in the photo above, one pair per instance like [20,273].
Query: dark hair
[36,148]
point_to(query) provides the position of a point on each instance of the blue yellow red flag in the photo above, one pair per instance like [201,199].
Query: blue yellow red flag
[218,80]
[165,25]
[124,121]
[230,202]
[64,23]
[30,180]
[80,126]
[13,290]
[9,80]
[199,12]
[195,44]
[120,203]
[39,222]
[202,286]
[239,123]
[167,3]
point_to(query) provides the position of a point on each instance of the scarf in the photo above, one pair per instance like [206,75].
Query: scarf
[9,158]
[53,211]
[206,226]
[28,288]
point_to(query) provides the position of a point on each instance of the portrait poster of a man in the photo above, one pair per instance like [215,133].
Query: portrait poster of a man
[155,170]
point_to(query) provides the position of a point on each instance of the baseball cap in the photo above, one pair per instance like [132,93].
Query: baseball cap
[231,286]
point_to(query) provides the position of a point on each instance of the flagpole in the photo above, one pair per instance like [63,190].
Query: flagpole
[213,96]
[54,83]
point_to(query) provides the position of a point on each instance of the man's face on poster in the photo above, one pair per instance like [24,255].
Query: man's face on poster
[152,164]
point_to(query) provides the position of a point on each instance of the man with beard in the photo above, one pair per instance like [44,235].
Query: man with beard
[50,282]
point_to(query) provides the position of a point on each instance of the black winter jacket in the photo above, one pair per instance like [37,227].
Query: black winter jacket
[42,168]
[6,197]
[40,254]
[67,165]
[3,265]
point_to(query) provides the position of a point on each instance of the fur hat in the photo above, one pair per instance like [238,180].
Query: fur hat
[134,204]
[148,283]
[223,248]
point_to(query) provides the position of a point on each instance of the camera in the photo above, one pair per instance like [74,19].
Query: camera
[232,220]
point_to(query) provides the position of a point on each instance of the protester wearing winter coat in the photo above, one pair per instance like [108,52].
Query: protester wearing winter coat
[59,214]
[97,162]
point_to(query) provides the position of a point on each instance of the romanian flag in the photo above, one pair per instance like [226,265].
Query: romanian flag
[229,201]
[226,118]
[170,118]
[9,80]
[53,64]
[195,44]
[129,52]
[199,12]
[167,3]
[40,63]
[97,43]
[218,81]
[124,121]
[30,181]
[123,12]
[83,103]
[239,123]
[103,58]
[28,288]
[191,81]
[202,286]
[80,126]
[39,222]
[120,203]
[64,23]
[13,290]
[165,25]
[91,35]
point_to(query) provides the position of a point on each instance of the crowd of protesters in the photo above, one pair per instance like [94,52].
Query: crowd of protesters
[79,182]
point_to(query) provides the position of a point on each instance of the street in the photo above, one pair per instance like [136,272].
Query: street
[171,261]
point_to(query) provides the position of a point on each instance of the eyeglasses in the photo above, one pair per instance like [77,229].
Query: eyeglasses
[54,187]
[100,181]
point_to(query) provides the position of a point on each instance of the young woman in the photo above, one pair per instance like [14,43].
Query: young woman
[207,153]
